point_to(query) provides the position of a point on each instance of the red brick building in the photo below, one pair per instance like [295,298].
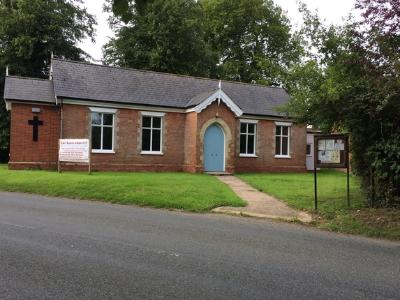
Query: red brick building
[149,121]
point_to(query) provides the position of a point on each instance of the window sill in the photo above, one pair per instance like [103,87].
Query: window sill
[248,155]
[104,151]
[283,156]
[151,153]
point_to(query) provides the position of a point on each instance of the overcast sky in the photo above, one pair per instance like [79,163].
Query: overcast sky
[332,11]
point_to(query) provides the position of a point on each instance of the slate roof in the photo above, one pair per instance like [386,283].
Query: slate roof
[28,89]
[84,81]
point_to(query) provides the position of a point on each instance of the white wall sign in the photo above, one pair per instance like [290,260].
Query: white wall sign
[74,150]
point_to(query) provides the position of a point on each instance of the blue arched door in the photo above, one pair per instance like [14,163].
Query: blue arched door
[214,149]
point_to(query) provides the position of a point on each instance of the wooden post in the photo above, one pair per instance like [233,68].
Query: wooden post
[58,160]
[315,173]
[348,171]
[315,189]
[90,154]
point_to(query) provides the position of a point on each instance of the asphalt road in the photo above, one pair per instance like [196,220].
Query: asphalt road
[69,249]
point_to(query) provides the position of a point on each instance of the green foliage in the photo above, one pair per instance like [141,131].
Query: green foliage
[253,40]
[190,192]
[165,36]
[245,40]
[30,30]
[352,85]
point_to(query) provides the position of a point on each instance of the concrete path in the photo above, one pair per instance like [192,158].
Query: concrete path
[260,204]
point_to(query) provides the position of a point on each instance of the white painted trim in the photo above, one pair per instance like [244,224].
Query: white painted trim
[103,151]
[248,155]
[289,136]
[151,153]
[30,102]
[261,117]
[152,114]
[101,136]
[8,105]
[126,106]
[283,123]
[145,107]
[218,95]
[254,122]
[103,110]
[155,115]
[250,121]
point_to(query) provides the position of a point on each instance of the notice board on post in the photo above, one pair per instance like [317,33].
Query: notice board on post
[331,151]
[74,150]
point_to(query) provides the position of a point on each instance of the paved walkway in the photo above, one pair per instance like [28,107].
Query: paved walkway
[260,204]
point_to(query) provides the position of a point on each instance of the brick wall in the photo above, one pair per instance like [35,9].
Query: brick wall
[183,136]
[265,145]
[127,141]
[265,151]
[24,152]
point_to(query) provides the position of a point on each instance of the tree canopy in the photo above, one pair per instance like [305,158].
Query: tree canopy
[245,40]
[166,36]
[253,40]
[30,30]
[354,87]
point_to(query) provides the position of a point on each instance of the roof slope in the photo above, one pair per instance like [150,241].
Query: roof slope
[85,81]
[28,89]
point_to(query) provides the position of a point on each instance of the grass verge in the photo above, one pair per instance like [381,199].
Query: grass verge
[297,190]
[190,192]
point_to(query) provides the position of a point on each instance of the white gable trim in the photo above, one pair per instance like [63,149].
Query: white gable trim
[219,95]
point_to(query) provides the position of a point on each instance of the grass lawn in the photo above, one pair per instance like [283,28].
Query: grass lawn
[190,192]
[297,189]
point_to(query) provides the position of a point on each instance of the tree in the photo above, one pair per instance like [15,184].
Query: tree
[164,35]
[30,30]
[245,40]
[253,39]
[356,88]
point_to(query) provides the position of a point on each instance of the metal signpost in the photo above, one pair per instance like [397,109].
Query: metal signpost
[331,151]
[75,151]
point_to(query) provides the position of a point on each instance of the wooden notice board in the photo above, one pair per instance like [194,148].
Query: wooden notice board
[331,151]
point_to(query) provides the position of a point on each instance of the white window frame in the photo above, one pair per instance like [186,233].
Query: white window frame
[289,126]
[103,111]
[247,122]
[152,115]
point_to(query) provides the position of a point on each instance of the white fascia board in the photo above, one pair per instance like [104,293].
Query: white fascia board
[220,94]
[250,121]
[283,123]
[103,110]
[152,113]
[122,106]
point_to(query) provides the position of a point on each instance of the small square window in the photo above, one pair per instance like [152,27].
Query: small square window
[308,150]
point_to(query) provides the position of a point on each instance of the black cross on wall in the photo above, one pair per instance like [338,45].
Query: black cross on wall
[35,127]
